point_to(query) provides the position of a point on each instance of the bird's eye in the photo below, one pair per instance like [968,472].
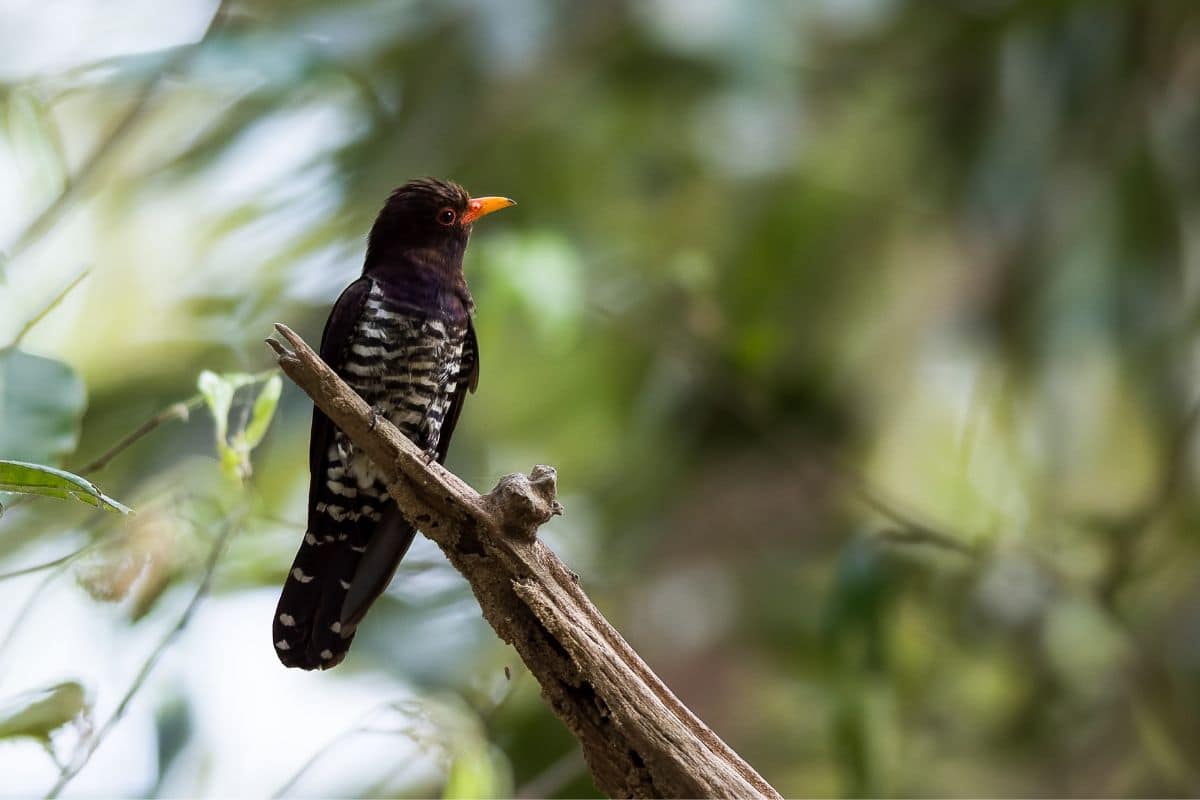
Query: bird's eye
[446,216]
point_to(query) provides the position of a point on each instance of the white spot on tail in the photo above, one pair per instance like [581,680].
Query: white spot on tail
[326,655]
[345,584]
[287,620]
[299,575]
[336,627]
[310,539]
[282,645]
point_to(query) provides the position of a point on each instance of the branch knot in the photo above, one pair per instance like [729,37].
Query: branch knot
[523,503]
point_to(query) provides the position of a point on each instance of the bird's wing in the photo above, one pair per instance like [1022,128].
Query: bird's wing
[395,534]
[468,380]
[338,332]
[312,594]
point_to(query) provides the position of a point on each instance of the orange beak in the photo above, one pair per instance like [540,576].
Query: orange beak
[482,206]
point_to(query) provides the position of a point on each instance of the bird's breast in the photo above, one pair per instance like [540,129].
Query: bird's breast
[405,361]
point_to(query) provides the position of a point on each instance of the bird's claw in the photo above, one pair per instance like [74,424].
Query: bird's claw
[375,415]
[430,456]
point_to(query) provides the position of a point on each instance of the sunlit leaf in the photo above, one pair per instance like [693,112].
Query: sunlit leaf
[41,405]
[23,478]
[39,713]
[218,396]
[264,409]
[218,391]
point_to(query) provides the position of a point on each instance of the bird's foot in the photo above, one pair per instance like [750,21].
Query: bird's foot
[430,456]
[375,417]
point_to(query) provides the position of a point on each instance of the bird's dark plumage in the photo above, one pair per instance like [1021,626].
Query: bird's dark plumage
[402,337]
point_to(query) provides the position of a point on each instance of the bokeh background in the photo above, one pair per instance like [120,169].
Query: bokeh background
[862,333]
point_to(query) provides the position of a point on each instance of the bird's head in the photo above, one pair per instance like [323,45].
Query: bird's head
[427,221]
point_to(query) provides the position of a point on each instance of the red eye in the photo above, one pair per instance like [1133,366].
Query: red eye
[446,216]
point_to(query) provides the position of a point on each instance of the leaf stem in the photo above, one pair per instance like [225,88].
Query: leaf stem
[53,304]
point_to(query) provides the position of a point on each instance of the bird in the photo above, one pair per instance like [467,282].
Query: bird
[401,336]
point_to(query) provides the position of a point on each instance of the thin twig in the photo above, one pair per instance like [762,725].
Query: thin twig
[49,215]
[286,788]
[53,304]
[909,535]
[359,727]
[74,554]
[149,505]
[174,411]
[178,410]
[210,568]
[912,530]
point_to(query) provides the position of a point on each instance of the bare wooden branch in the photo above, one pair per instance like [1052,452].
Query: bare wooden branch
[638,739]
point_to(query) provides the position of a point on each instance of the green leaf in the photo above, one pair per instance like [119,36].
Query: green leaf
[23,478]
[264,409]
[218,392]
[39,713]
[218,396]
[41,405]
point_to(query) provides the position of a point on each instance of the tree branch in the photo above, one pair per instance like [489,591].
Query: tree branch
[638,739]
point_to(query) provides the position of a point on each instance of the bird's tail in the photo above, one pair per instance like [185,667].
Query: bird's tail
[342,566]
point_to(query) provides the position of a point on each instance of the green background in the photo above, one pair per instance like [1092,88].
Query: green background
[862,335]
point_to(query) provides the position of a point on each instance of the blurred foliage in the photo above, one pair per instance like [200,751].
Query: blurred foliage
[861,334]
[42,402]
[37,714]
